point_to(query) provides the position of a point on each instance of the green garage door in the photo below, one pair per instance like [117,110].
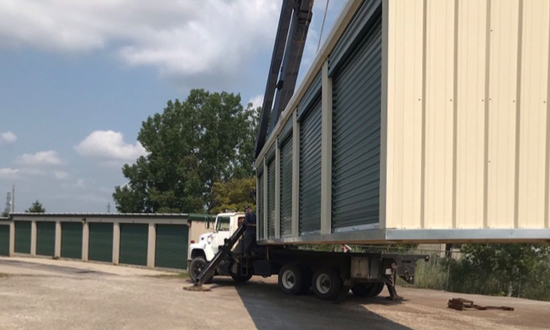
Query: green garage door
[4,240]
[23,237]
[71,240]
[100,245]
[133,244]
[171,246]
[45,238]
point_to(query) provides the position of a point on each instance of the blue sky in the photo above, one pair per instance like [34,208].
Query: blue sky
[77,78]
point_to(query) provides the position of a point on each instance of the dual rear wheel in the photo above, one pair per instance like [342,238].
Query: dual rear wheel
[325,283]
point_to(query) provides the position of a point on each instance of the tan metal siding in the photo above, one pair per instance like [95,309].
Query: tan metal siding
[404,142]
[467,117]
[502,113]
[471,88]
[438,124]
[533,117]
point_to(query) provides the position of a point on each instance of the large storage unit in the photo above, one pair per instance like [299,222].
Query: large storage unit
[420,121]
[22,237]
[45,238]
[71,240]
[4,240]
[172,242]
[100,241]
[133,243]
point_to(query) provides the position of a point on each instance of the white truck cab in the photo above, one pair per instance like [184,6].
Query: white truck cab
[206,248]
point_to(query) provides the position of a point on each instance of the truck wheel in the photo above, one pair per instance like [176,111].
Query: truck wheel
[326,284]
[377,289]
[367,289]
[362,289]
[291,279]
[195,268]
[240,278]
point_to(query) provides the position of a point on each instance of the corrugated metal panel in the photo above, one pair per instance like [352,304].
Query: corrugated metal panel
[287,130]
[468,114]
[71,240]
[23,237]
[45,238]
[100,245]
[4,240]
[405,113]
[534,115]
[311,96]
[286,187]
[310,171]
[133,243]
[439,112]
[367,15]
[271,198]
[171,246]
[356,135]
[470,125]
[260,204]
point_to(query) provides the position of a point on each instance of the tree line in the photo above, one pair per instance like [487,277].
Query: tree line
[195,149]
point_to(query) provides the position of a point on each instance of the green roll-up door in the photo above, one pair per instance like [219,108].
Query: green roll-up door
[171,246]
[260,203]
[45,238]
[133,244]
[310,171]
[100,242]
[286,187]
[71,240]
[4,240]
[23,237]
[356,135]
[271,198]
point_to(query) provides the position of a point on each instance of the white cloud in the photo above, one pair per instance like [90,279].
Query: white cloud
[39,159]
[257,101]
[184,38]
[8,173]
[61,175]
[7,137]
[109,148]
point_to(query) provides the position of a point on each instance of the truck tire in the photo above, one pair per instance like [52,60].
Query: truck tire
[362,289]
[240,278]
[292,279]
[195,267]
[367,289]
[326,284]
[377,289]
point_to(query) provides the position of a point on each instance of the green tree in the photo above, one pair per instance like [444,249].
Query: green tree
[234,194]
[509,264]
[191,145]
[5,214]
[36,207]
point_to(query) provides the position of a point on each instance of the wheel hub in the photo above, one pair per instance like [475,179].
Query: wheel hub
[289,279]
[323,283]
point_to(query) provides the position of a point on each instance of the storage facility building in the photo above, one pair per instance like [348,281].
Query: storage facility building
[144,239]
[418,121]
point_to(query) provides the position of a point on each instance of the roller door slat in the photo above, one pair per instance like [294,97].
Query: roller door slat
[133,244]
[100,245]
[171,246]
[356,135]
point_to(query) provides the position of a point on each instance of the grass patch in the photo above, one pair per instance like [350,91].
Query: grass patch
[3,275]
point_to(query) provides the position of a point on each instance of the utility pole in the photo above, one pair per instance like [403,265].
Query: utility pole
[13,199]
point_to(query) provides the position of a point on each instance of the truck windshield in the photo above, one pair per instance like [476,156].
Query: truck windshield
[223,224]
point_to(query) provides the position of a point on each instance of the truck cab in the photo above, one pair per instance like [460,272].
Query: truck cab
[205,249]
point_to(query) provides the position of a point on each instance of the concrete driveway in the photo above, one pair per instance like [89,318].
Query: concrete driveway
[57,294]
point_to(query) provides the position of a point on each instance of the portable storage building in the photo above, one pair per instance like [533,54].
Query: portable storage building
[418,121]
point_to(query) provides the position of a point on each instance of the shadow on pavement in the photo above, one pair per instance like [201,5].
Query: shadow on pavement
[271,309]
[66,270]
